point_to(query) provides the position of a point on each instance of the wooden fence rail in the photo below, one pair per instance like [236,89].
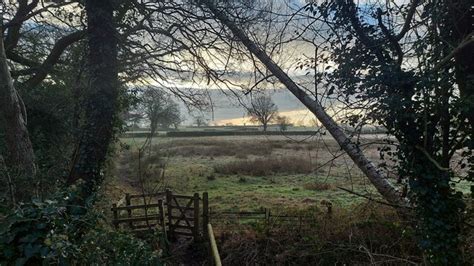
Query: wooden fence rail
[180,215]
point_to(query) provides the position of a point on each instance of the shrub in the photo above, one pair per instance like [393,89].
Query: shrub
[54,232]
[102,247]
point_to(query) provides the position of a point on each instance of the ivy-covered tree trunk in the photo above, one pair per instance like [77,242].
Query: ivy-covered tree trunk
[20,157]
[460,23]
[439,211]
[100,97]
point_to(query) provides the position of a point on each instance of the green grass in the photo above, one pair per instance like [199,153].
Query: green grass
[187,174]
[239,187]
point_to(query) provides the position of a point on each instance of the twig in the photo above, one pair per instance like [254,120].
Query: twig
[374,200]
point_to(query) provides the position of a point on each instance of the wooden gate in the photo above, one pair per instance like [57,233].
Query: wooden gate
[140,213]
[175,215]
[184,212]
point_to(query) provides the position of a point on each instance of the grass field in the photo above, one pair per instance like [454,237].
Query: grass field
[251,172]
[288,175]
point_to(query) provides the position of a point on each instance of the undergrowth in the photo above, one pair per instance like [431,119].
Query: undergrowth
[55,232]
[365,235]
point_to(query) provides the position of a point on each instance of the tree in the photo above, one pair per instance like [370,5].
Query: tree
[101,98]
[418,103]
[283,122]
[201,121]
[383,186]
[27,61]
[20,158]
[262,110]
[159,109]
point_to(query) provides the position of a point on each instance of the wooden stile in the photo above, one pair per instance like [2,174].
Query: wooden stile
[180,217]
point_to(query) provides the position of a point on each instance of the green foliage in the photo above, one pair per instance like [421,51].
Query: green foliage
[418,104]
[103,247]
[53,232]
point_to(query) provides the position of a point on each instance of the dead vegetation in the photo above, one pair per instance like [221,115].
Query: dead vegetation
[239,148]
[318,186]
[266,166]
[366,235]
[216,148]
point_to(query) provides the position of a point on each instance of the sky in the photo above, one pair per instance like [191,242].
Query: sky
[228,111]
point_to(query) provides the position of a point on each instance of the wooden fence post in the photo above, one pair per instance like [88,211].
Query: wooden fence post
[169,197]
[267,216]
[114,209]
[196,217]
[205,214]
[129,211]
[300,221]
[161,214]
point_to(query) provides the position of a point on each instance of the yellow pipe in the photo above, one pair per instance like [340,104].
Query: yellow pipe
[215,251]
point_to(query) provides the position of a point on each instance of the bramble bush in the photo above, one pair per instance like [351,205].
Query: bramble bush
[53,232]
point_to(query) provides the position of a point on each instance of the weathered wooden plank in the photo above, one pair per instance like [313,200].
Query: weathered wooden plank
[151,195]
[145,226]
[115,216]
[182,208]
[183,233]
[205,214]
[170,211]
[137,219]
[180,226]
[161,213]
[181,217]
[239,213]
[129,211]
[183,197]
[196,216]
[133,207]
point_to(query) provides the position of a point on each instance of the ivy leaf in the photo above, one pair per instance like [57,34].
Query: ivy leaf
[20,261]
[331,90]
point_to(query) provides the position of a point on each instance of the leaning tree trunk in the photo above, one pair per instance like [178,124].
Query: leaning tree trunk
[100,97]
[383,186]
[20,157]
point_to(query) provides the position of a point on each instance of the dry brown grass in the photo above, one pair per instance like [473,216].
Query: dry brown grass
[214,148]
[318,186]
[266,166]
[364,235]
